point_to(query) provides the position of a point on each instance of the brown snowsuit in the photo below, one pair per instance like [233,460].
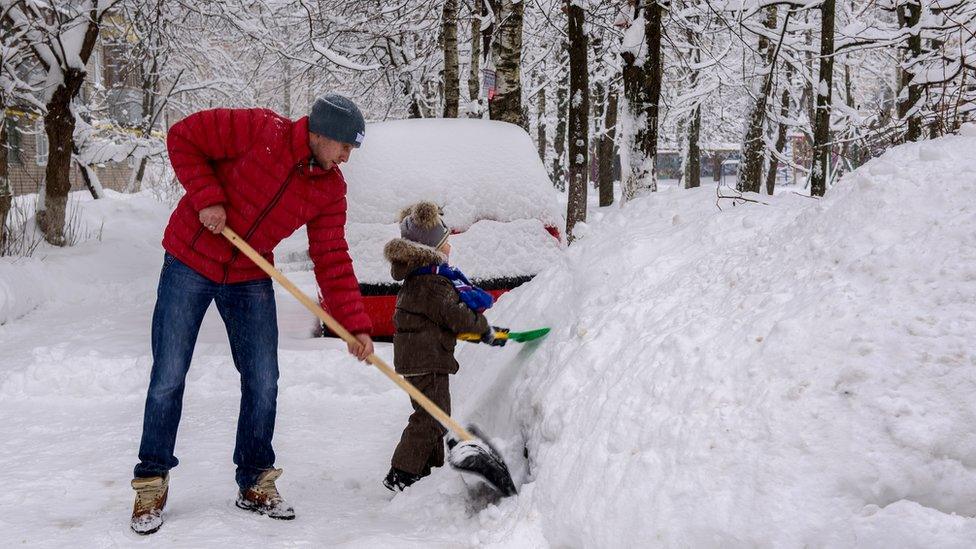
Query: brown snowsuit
[429,315]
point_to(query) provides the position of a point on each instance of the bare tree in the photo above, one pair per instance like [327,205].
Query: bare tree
[579,106]
[821,126]
[909,91]
[474,81]
[562,110]
[606,148]
[452,91]
[507,55]
[754,144]
[62,38]
[540,120]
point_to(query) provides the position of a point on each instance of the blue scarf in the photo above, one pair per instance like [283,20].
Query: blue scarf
[474,297]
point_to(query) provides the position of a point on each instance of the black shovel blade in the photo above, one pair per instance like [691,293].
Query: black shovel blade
[478,457]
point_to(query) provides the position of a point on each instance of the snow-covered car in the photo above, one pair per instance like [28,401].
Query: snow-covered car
[487,177]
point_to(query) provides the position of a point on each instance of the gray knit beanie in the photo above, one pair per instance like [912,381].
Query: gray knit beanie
[422,223]
[337,118]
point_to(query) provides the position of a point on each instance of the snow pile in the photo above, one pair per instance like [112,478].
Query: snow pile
[798,374]
[475,169]
[63,275]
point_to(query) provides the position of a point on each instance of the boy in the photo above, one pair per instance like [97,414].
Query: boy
[435,304]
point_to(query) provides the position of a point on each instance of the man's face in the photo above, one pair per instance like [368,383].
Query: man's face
[328,152]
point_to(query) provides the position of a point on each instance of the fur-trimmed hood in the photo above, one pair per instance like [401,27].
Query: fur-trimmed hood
[405,256]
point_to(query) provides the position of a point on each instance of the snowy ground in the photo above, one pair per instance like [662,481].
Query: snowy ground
[785,375]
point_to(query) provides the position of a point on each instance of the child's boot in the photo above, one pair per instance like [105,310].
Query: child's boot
[397,480]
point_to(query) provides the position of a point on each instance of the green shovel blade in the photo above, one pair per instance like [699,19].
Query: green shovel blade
[530,335]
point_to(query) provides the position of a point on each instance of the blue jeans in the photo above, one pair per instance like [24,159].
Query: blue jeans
[248,311]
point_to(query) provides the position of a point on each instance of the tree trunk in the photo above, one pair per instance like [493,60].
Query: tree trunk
[579,107]
[562,104]
[606,154]
[750,170]
[286,91]
[59,124]
[692,163]
[633,128]
[540,123]
[6,193]
[784,111]
[821,127]
[654,71]
[692,160]
[452,84]
[642,92]
[598,112]
[474,81]
[507,103]
[909,15]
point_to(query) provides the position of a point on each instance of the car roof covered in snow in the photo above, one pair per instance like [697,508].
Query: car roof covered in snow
[474,169]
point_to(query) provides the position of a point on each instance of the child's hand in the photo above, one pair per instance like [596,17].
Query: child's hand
[495,336]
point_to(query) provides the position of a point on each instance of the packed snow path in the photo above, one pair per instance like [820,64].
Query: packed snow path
[72,387]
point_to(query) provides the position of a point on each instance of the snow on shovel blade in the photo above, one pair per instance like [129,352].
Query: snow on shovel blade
[478,457]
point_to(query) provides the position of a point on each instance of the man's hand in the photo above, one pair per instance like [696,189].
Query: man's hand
[363,348]
[214,218]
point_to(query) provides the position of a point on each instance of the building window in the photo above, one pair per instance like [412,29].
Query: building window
[41,143]
[14,142]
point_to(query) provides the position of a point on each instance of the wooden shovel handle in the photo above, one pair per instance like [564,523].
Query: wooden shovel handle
[337,328]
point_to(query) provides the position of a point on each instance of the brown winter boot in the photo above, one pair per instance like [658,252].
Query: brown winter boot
[147,513]
[264,498]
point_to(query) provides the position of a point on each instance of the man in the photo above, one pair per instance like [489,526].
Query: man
[264,176]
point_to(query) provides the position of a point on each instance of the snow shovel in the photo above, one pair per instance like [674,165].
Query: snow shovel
[469,453]
[519,337]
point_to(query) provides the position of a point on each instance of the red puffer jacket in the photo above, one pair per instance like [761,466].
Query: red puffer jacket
[257,164]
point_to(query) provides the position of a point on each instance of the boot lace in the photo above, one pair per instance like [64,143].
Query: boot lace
[147,496]
[266,485]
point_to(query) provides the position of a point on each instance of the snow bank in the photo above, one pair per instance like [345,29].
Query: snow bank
[798,374]
[58,275]
[475,169]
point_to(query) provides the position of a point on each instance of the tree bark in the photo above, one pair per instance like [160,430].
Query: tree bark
[821,128]
[634,127]
[692,160]
[606,154]
[692,164]
[598,107]
[579,107]
[642,92]
[654,72]
[750,170]
[59,124]
[6,193]
[562,103]
[909,15]
[507,52]
[784,112]
[474,81]
[452,84]
[540,123]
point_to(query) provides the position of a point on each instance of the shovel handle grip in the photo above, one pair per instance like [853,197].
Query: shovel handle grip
[337,329]
[473,337]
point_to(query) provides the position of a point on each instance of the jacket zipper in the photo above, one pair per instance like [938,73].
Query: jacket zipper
[257,221]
